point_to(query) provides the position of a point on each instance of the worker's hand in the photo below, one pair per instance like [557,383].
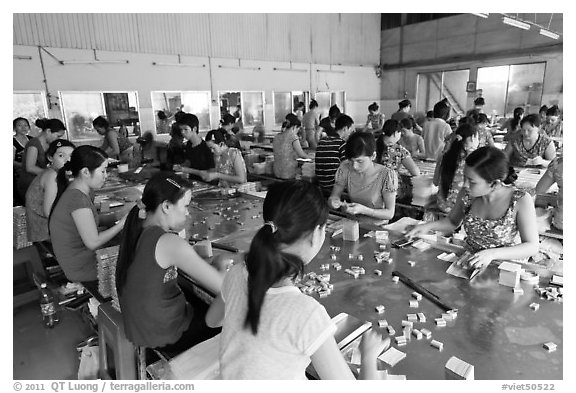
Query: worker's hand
[356,208]
[372,344]
[222,262]
[209,176]
[177,168]
[481,259]
[334,202]
[416,230]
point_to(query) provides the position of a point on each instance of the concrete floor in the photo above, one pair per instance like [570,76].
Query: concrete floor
[41,353]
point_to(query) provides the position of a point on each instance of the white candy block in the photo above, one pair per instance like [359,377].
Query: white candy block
[417,296]
[509,274]
[550,346]
[437,344]
[458,369]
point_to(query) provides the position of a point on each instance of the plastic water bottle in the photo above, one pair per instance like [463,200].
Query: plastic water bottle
[48,307]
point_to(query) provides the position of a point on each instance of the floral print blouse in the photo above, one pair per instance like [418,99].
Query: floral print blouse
[446,204]
[225,163]
[520,154]
[392,156]
[484,233]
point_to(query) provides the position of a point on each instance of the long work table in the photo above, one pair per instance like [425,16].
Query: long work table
[495,330]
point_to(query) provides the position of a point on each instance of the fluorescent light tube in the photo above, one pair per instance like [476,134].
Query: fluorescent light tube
[549,33]
[482,15]
[516,23]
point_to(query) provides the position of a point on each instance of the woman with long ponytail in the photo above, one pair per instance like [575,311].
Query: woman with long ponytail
[156,314]
[270,330]
[73,221]
[449,172]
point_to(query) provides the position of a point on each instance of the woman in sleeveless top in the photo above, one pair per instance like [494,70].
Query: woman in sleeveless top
[116,144]
[43,189]
[494,213]
[154,308]
[371,187]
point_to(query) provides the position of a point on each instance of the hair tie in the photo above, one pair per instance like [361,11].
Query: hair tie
[271,225]
[458,137]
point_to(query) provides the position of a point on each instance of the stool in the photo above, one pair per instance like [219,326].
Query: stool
[28,255]
[124,356]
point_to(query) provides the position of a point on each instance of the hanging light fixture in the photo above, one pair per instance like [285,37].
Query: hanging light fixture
[516,23]
[547,32]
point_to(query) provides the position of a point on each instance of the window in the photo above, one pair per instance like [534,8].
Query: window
[246,106]
[435,86]
[253,108]
[170,102]
[31,106]
[507,87]
[287,102]
[81,108]
[326,99]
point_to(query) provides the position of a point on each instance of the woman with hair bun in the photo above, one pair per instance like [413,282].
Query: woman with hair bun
[43,189]
[270,330]
[375,119]
[499,219]
[287,148]
[34,155]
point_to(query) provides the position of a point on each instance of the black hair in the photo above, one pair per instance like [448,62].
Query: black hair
[389,128]
[295,208]
[441,110]
[227,119]
[334,112]
[455,153]
[300,104]
[475,117]
[215,135]
[175,131]
[404,103]
[163,186]
[543,108]
[533,119]
[162,115]
[179,115]
[360,144]
[373,107]
[430,114]
[407,123]
[85,156]
[16,120]
[313,104]
[518,112]
[291,121]
[491,164]
[343,121]
[55,145]
[189,120]
[553,111]
[479,101]
[54,125]
[101,122]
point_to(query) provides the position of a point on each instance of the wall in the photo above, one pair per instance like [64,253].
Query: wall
[360,82]
[466,41]
[349,42]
